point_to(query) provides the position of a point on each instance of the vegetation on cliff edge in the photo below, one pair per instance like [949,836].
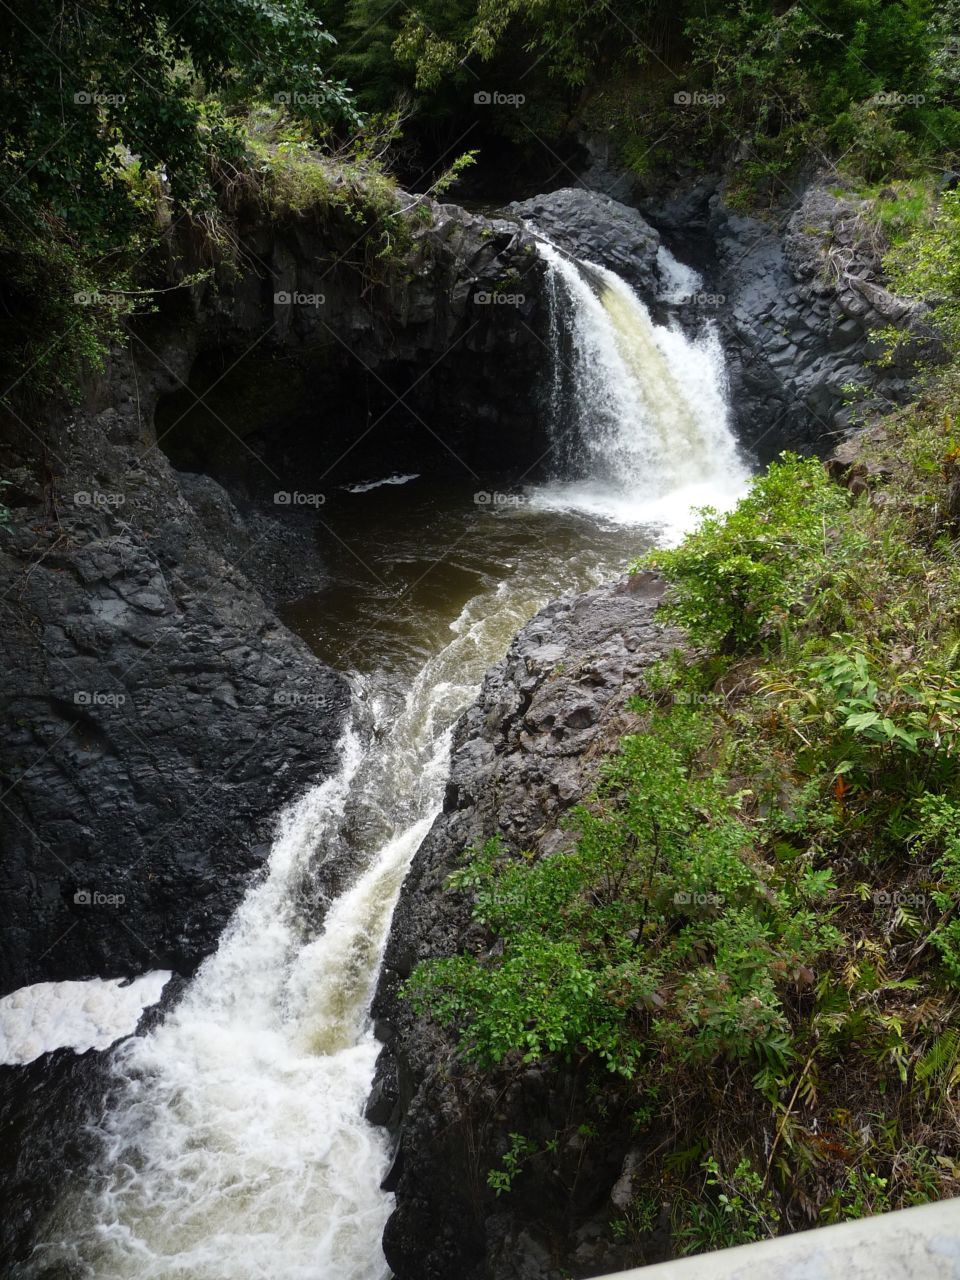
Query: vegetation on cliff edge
[754,922]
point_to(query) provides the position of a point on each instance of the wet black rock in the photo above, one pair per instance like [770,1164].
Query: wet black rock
[795,299]
[802,302]
[599,229]
[523,754]
[159,714]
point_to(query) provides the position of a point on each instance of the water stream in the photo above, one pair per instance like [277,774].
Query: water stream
[234,1147]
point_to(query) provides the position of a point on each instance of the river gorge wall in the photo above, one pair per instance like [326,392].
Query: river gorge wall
[522,757]
[160,712]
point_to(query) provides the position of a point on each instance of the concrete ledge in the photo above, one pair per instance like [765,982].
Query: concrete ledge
[912,1244]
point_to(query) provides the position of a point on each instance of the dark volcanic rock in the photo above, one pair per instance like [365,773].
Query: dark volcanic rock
[522,756]
[599,229]
[794,299]
[314,357]
[159,715]
[802,300]
[46,1112]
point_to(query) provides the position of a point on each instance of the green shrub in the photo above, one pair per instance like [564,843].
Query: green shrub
[660,937]
[736,570]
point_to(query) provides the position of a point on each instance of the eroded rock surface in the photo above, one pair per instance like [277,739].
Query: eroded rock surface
[523,755]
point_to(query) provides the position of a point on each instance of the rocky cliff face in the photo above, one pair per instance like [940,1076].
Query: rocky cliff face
[523,755]
[160,714]
[323,359]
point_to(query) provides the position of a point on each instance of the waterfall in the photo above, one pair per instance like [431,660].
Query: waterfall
[233,1144]
[237,1145]
[640,422]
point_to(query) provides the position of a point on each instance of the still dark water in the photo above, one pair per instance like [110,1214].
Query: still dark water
[411,565]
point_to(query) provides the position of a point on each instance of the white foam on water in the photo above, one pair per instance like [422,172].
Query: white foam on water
[237,1148]
[678,282]
[91,1014]
[365,486]
[644,425]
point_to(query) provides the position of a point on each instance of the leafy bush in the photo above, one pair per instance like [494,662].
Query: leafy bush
[926,265]
[736,570]
[753,938]
[661,937]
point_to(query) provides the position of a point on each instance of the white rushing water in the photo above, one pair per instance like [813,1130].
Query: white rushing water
[640,411]
[234,1147]
[678,282]
[237,1147]
[82,1015]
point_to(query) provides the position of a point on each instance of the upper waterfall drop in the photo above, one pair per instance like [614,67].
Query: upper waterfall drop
[639,414]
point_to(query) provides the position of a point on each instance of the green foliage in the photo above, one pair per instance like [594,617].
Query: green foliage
[729,1211]
[753,935]
[659,939]
[915,710]
[939,833]
[735,571]
[124,79]
[117,121]
[501,1180]
[926,265]
[873,82]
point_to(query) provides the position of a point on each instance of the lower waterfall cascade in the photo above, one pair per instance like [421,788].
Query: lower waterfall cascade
[233,1145]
